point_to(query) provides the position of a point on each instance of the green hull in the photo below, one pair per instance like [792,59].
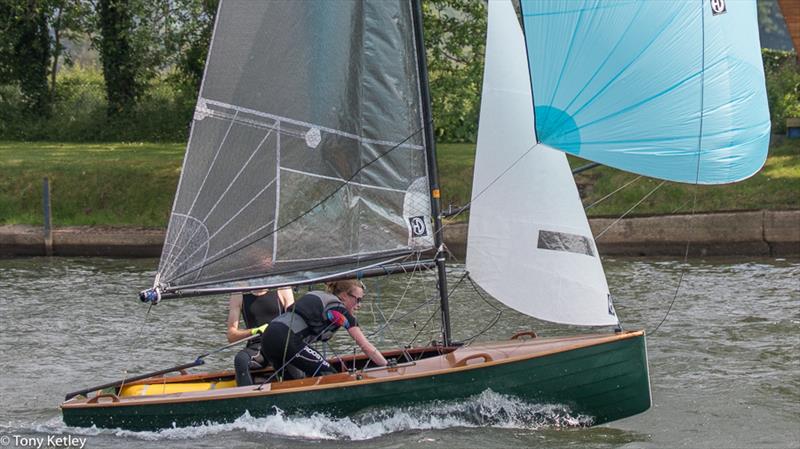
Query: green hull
[608,381]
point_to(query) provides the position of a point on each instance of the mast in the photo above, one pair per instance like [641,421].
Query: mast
[433,173]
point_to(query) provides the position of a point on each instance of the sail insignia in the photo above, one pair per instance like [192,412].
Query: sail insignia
[718,7]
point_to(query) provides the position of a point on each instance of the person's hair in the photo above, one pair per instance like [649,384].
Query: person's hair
[337,287]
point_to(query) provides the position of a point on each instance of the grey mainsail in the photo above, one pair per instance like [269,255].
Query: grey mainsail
[307,153]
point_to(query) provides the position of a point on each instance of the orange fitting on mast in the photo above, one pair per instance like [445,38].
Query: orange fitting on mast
[435,193]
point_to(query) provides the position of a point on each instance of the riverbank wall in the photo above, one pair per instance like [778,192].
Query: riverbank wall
[756,233]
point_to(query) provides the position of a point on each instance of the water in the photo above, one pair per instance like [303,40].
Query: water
[725,365]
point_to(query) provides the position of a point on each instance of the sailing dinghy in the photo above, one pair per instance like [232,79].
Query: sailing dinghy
[311,158]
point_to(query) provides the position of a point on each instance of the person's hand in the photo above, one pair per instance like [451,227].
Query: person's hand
[258,330]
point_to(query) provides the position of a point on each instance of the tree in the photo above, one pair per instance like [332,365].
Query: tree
[25,51]
[193,37]
[116,53]
[455,35]
[68,20]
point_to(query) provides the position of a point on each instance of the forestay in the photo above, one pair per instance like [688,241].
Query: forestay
[530,245]
[306,156]
[672,89]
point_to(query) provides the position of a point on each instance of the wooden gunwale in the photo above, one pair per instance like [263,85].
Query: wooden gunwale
[218,375]
[343,380]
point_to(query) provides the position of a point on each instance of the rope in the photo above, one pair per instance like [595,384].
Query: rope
[493,322]
[133,342]
[466,206]
[597,237]
[612,193]
[697,173]
[435,312]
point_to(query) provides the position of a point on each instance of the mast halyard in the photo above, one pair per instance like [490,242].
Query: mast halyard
[433,173]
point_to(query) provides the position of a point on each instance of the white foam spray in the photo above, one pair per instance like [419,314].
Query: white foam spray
[488,409]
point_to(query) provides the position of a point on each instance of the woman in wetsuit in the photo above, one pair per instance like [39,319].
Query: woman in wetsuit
[315,317]
[257,308]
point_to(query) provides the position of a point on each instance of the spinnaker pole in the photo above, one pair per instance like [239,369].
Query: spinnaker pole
[433,172]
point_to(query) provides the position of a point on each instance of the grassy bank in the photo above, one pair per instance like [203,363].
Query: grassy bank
[132,184]
[776,186]
[91,184]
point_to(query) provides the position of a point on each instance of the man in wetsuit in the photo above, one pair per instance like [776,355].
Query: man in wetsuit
[316,317]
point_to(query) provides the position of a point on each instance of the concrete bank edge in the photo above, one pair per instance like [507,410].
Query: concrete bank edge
[756,233]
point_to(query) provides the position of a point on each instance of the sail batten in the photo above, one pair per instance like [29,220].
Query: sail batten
[306,155]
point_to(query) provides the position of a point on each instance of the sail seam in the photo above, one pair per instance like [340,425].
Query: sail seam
[277,194]
[225,225]
[187,289]
[162,264]
[339,256]
[205,178]
[337,132]
[564,66]
[236,177]
[697,170]
[216,257]
[333,178]
[702,89]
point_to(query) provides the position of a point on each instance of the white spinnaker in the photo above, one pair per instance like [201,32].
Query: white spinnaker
[530,245]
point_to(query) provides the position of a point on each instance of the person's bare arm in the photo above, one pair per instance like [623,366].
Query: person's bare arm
[234,312]
[286,297]
[362,342]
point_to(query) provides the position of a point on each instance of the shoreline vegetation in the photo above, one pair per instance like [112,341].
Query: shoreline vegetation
[132,184]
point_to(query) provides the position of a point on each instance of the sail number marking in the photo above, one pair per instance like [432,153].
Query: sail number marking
[418,227]
[718,7]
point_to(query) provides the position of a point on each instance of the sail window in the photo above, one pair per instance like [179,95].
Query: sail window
[562,241]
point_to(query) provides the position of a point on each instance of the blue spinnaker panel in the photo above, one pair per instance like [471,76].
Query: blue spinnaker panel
[672,89]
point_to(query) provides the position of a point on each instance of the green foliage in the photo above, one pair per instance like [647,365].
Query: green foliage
[455,161]
[120,64]
[25,52]
[455,35]
[783,87]
[192,40]
[162,113]
[776,187]
[133,184]
[774,60]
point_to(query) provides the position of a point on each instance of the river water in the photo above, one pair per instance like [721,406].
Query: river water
[724,365]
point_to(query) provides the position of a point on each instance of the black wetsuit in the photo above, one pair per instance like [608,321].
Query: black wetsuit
[256,311]
[307,320]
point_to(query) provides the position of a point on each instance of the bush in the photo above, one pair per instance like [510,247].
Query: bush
[783,87]
[162,114]
[164,111]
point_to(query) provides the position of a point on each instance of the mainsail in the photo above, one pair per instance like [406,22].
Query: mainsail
[672,89]
[530,245]
[307,153]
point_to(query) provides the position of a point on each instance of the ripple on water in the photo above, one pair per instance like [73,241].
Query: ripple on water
[724,364]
